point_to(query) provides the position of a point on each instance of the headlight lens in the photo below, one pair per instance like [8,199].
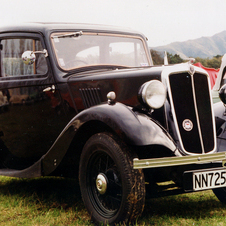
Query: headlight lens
[153,93]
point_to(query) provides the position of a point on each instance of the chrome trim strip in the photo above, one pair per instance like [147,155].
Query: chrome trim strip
[196,113]
[177,161]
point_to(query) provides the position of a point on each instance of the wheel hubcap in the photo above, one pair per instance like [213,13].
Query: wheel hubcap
[101,183]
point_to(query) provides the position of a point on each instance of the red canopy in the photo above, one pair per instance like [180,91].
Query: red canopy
[211,71]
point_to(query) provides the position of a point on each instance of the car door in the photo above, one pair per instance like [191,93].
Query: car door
[31,116]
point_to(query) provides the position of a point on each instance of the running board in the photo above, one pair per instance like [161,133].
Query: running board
[33,171]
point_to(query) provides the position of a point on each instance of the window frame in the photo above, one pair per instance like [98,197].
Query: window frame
[18,35]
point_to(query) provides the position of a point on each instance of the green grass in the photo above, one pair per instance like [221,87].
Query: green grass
[43,201]
[201,208]
[57,201]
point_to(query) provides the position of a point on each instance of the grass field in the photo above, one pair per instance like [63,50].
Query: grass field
[57,201]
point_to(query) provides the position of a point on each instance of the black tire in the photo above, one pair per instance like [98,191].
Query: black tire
[220,194]
[108,161]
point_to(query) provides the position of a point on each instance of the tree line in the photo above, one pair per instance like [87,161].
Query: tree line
[158,59]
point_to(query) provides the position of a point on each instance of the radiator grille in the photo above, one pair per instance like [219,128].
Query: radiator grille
[190,98]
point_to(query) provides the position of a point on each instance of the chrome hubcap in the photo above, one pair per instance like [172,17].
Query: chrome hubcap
[101,183]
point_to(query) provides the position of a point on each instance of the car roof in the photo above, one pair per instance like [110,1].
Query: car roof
[42,27]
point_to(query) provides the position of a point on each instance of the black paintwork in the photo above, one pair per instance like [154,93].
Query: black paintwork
[42,133]
[36,129]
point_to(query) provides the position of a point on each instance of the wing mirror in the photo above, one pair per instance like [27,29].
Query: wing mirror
[29,57]
[222,93]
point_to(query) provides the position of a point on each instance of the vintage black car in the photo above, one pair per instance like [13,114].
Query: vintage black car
[78,99]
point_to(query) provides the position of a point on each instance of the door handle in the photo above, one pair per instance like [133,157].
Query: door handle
[52,88]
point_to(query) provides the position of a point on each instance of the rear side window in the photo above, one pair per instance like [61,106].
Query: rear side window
[11,60]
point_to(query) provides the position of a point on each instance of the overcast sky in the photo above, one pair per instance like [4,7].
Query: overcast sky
[162,21]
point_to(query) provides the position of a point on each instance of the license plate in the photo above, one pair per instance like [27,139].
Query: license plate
[209,179]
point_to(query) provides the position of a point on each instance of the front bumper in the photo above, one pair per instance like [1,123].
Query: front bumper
[179,161]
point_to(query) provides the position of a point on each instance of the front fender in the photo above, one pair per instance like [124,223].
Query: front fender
[134,128]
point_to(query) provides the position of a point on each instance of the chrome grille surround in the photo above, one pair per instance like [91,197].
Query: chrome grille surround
[190,99]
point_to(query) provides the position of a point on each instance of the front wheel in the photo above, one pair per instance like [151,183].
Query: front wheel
[111,189]
[220,194]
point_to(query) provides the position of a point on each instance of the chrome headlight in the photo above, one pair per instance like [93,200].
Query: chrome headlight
[153,94]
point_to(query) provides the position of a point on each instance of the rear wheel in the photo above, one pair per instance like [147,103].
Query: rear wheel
[111,189]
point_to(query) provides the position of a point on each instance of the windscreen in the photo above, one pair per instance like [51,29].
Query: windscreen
[87,49]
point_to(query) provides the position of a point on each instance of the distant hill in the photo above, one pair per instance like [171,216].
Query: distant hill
[202,47]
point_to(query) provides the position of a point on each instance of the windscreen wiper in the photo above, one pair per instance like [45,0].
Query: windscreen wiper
[96,67]
[74,34]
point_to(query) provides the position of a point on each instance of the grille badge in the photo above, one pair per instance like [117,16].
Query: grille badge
[187,125]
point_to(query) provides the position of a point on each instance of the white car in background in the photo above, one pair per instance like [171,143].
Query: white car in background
[220,81]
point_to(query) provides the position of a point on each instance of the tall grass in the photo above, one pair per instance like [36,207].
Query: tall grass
[57,201]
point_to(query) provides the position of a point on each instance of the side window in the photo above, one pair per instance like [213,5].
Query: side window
[11,60]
